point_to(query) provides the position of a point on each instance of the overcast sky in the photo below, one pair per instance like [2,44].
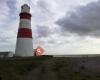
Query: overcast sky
[59,26]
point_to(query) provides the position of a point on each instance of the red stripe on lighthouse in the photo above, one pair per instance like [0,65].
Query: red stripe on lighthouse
[24,33]
[25,16]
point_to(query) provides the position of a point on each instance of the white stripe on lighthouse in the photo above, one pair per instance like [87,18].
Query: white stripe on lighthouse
[24,23]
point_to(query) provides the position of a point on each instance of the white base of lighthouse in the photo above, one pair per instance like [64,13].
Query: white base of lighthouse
[24,47]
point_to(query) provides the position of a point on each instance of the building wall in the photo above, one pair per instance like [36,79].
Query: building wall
[6,54]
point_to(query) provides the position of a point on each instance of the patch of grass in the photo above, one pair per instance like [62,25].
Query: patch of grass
[63,68]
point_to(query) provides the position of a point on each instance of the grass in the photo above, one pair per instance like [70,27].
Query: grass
[48,68]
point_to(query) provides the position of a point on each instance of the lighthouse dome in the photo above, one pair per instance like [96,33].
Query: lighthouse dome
[25,8]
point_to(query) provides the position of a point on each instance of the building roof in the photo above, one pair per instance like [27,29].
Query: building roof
[4,53]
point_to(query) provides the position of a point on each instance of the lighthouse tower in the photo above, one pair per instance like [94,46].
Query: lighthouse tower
[24,44]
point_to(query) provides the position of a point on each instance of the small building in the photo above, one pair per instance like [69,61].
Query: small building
[6,54]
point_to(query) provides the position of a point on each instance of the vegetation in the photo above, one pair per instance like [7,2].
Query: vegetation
[49,68]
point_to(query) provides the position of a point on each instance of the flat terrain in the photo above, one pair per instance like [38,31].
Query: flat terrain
[50,68]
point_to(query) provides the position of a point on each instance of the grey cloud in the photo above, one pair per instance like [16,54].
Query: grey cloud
[42,12]
[11,4]
[42,31]
[84,21]
[43,5]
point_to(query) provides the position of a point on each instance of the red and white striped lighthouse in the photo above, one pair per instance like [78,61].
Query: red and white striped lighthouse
[24,44]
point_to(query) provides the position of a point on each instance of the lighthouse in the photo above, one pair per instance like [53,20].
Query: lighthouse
[24,44]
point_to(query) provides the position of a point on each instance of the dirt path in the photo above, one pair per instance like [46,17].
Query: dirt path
[42,72]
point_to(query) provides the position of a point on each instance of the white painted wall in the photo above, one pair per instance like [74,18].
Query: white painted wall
[11,54]
[24,47]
